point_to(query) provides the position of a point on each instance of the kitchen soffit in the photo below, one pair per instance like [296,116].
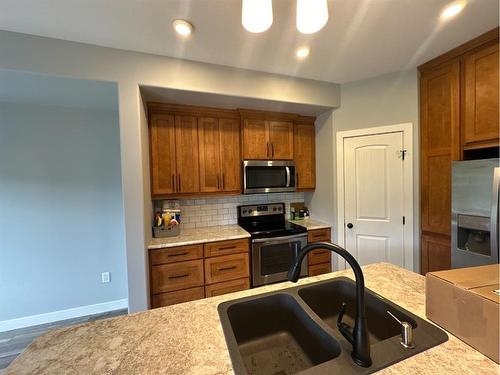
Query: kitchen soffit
[363,38]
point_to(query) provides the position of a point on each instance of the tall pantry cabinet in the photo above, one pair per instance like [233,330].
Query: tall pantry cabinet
[458,115]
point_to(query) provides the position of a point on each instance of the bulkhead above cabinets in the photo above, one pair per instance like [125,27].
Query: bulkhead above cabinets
[198,151]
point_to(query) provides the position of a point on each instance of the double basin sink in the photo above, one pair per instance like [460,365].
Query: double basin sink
[295,331]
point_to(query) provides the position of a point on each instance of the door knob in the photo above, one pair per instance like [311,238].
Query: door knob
[349,225]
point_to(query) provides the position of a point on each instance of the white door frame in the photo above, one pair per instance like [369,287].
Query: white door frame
[407,130]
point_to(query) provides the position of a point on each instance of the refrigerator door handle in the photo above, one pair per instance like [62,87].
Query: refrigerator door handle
[494,214]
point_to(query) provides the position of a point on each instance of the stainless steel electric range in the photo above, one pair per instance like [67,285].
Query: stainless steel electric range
[275,241]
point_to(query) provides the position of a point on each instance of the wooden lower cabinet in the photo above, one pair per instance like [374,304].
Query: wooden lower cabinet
[227,287]
[318,269]
[436,253]
[179,296]
[227,267]
[176,276]
[319,260]
[213,249]
[186,273]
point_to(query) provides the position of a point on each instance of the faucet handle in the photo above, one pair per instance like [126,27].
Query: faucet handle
[406,332]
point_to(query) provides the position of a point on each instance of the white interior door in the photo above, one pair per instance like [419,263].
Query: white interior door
[374,198]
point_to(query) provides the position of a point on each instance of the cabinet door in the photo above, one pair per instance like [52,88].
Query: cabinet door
[210,170]
[186,147]
[436,253]
[162,144]
[255,142]
[440,144]
[304,155]
[229,130]
[481,95]
[281,140]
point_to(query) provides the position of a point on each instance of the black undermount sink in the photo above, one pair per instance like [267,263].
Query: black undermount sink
[294,331]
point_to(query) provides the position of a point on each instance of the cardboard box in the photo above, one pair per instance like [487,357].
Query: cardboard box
[465,302]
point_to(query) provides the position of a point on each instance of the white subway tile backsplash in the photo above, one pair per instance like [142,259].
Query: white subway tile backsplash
[200,213]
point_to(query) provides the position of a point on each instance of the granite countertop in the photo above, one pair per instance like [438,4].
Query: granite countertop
[193,236]
[311,224]
[188,338]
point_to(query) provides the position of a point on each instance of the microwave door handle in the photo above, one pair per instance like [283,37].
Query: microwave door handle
[494,214]
[287,169]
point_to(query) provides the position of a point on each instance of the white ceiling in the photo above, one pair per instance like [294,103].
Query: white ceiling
[363,38]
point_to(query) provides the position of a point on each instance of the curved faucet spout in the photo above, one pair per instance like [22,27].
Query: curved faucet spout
[359,336]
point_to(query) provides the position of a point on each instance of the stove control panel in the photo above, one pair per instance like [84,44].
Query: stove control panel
[261,210]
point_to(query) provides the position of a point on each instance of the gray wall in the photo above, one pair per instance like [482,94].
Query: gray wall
[130,69]
[384,100]
[61,209]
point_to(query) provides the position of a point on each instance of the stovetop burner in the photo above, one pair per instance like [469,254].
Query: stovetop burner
[267,221]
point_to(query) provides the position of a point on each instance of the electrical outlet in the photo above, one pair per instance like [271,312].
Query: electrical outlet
[105,276]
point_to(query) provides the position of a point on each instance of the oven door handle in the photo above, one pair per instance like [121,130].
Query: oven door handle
[279,239]
[287,169]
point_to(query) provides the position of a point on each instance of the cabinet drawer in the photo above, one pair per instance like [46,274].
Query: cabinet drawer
[227,287]
[171,298]
[175,254]
[319,256]
[176,276]
[213,249]
[227,267]
[319,235]
[180,296]
[319,269]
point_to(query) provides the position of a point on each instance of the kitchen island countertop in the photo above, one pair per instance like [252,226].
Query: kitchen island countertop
[188,338]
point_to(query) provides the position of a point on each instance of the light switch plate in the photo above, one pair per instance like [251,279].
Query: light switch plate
[105,277]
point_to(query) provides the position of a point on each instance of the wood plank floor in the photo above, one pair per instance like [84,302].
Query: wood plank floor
[12,343]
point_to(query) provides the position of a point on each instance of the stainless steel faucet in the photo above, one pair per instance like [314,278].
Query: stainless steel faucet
[357,336]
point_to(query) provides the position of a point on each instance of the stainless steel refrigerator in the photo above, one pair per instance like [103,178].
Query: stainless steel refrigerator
[474,212]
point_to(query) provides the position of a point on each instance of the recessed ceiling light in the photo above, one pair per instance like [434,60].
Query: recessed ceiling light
[312,15]
[303,52]
[182,27]
[453,9]
[257,15]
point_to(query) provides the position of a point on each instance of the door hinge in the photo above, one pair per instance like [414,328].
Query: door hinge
[403,154]
[404,220]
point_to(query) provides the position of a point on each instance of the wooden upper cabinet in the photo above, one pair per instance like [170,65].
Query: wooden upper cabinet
[255,139]
[209,146]
[480,88]
[304,155]
[219,144]
[440,103]
[162,149]
[280,138]
[230,155]
[267,140]
[186,154]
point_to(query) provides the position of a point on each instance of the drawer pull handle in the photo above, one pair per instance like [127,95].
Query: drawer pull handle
[321,252]
[178,254]
[227,247]
[179,276]
[227,268]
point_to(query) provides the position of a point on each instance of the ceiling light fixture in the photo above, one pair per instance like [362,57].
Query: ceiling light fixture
[303,52]
[453,9]
[257,15]
[182,27]
[312,15]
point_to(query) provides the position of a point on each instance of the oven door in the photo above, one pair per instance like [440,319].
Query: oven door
[272,258]
[268,176]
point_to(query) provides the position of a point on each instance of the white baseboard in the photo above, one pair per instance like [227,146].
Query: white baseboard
[33,320]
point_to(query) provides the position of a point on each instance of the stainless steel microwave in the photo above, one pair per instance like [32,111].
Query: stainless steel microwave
[268,176]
